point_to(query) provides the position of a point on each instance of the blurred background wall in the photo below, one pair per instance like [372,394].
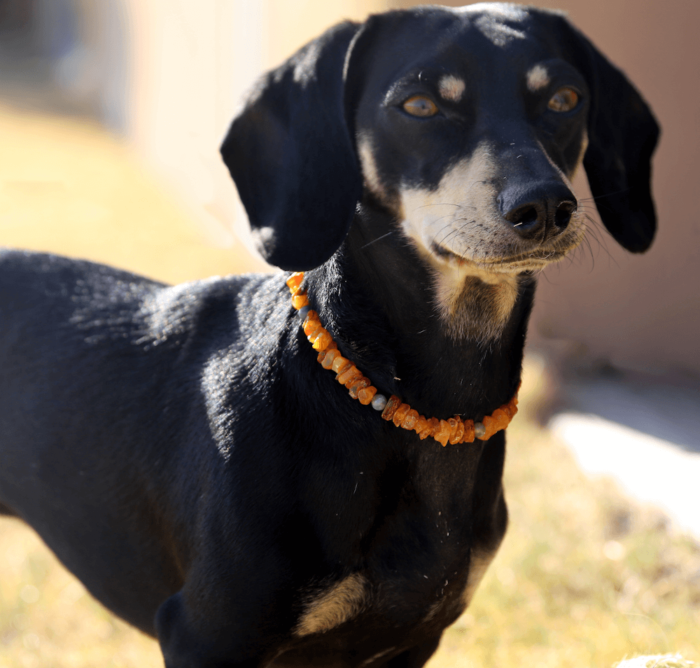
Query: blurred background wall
[167,76]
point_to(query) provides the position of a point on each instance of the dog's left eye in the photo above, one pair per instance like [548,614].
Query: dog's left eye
[420,105]
[565,99]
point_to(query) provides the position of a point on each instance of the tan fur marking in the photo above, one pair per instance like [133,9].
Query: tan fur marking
[369,166]
[343,601]
[451,88]
[537,78]
[473,308]
[579,162]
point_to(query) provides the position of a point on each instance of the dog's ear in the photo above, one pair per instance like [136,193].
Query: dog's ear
[292,156]
[622,134]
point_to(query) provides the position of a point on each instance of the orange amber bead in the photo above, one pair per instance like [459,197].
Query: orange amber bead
[349,374]
[366,394]
[433,426]
[501,417]
[421,426]
[489,427]
[331,356]
[338,363]
[443,433]
[391,406]
[313,330]
[457,429]
[300,300]
[311,327]
[356,385]
[400,414]
[468,431]
[321,340]
[409,422]
[294,281]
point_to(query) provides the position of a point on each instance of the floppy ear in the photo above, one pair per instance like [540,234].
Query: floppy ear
[292,156]
[622,135]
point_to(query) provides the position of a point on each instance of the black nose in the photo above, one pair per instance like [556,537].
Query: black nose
[543,210]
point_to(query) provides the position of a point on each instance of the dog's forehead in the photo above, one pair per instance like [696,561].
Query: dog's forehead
[476,37]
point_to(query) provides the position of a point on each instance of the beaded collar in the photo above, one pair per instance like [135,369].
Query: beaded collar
[453,430]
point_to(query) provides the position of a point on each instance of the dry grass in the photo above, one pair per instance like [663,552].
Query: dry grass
[584,578]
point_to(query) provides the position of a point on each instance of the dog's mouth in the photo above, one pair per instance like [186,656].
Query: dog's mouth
[514,263]
[506,264]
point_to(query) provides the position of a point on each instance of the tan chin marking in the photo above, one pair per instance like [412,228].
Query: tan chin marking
[451,88]
[338,604]
[473,308]
[537,78]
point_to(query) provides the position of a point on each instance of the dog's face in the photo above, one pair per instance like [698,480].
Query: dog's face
[471,143]
[466,126]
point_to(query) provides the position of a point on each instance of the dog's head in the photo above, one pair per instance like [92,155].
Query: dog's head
[466,124]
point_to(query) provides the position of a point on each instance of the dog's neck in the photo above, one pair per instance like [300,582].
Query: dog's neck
[376,296]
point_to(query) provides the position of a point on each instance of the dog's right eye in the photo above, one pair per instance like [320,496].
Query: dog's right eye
[421,106]
[565,99]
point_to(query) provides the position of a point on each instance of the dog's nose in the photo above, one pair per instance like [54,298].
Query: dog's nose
[545,208]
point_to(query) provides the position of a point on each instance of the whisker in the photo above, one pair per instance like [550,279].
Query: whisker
[374,241]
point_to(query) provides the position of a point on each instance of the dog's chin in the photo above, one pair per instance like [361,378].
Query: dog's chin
[475,296]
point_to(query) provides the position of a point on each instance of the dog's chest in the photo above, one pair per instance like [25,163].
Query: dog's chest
[408,585]
[370,616]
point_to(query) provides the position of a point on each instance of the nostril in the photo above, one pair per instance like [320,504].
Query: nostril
[563,214]
[525,217]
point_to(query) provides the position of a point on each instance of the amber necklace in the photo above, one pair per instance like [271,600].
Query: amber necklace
[452,430]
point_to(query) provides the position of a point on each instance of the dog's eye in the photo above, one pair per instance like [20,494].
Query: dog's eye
[420,105]
[565,99]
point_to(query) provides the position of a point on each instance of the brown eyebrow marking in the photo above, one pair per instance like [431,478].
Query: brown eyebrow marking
[537,78]
[451,87]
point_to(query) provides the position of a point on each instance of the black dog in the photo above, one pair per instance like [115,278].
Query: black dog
[181,450]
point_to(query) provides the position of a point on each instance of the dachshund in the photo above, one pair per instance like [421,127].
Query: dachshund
[181,450]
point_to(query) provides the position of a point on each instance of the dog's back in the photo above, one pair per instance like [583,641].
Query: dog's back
[75,335]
